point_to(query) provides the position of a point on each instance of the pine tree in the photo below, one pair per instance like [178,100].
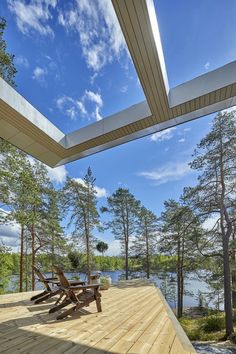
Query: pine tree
[214,196]
[179,230]
[102,247]
[7,67]
[81,202]
[123,208]
[49,233]
[145,242]
[14,180]
[6,266]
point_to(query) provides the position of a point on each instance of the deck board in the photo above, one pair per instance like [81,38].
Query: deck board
[135,319]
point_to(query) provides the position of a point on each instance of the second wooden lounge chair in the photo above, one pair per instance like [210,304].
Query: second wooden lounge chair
[80,295]
[50,291]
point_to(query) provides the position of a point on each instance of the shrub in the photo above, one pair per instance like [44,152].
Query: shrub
[105,280]
[213,324]
[194,334]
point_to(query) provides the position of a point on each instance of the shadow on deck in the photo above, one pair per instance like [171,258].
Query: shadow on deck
[135,319]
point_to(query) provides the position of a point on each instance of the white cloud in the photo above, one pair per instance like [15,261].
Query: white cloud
[81,107]
[170,172]
[93,97]
[33,16]
[100,35]
[229,110]
[57,174]
[61,101]
[97,99]
[93,77]
[97,114]
[53,67]
[72,113]
[101,191]
[74,107]
[210,223]
[166,134]
[114,248]
[207,65]
[124,89]
[71,106]
[182,140]
[10,234]
[39,74]
[22,61]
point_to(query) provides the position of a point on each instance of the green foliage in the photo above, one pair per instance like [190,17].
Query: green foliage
[33,202]
[109,263]
[204,328]
[213,324]
[45,262]
[80,201]
[123,208]
[145,241]
[105,280]
[75,260]
[6,266]
[102,247]
[7,67]
[214,197]
[179,227]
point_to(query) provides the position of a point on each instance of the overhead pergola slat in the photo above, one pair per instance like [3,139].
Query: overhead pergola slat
[25,127]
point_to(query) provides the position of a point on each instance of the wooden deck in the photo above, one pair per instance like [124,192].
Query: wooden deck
[135,319]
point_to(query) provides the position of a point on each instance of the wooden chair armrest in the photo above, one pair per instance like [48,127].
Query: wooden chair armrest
[53,281]
[82,287]
[76,282]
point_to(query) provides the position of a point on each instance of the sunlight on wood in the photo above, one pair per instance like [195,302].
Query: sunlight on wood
[135,319]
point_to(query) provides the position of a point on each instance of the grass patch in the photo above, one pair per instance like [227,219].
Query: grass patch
[207,328]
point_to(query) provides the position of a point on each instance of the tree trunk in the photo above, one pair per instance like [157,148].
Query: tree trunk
[233,271]
[26,263]
[33,256]
[182,275]
[21,257]
[179,297]
[181,292]
[53,255]
[224,218]
[147,252]
[227,290]
[126,261]
[88,259]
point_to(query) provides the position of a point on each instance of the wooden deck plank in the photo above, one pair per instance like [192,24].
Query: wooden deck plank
[131,329]
[135,319]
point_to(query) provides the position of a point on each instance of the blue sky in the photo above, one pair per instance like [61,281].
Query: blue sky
[74,66]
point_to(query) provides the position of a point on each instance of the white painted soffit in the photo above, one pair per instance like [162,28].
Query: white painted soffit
[25,127]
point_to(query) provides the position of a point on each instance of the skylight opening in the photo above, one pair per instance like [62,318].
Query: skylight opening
[197,37]
[79,68]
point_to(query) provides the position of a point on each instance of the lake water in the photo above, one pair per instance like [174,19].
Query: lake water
[165,281]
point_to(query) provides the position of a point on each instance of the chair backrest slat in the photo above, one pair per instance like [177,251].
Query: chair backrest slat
[41,278]
[61,277]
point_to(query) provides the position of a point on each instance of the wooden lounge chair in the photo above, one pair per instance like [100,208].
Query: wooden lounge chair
[49,290]
[80,295]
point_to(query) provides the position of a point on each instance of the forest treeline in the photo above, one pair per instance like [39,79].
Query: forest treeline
[76,262]
[28,197]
